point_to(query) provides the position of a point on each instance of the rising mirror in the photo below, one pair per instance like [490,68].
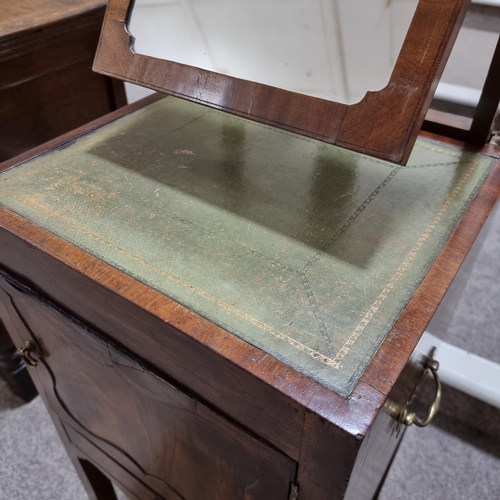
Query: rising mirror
[332,49]
[356,73]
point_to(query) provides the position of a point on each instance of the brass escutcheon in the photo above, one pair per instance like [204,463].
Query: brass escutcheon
[25,353]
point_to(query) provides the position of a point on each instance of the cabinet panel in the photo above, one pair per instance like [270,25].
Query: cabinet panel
[172,442]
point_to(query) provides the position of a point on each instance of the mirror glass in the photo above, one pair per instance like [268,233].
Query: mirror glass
[333,49]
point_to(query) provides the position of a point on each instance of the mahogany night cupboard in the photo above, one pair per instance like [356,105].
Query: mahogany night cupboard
[214,306]
[47,86]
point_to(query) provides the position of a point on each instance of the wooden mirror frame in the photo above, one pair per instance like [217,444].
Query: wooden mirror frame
[384,124]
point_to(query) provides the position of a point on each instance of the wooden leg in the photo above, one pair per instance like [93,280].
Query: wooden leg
[12,368]
[98,486]
[382,481]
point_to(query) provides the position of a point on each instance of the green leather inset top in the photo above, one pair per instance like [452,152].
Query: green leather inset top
[305,250]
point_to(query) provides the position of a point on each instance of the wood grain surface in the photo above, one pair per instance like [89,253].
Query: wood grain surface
[47,86]
[158,432]
[23,15]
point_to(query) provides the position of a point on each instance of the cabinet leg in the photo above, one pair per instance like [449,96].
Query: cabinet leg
[12,368]
[382,481]
[96,483]
[98,486]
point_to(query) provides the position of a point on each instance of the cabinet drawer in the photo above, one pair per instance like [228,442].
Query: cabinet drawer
[176,445]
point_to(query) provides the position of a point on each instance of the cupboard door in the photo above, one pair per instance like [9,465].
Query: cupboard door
[176,445]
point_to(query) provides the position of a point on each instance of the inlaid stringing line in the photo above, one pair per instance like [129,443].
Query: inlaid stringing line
[349,343]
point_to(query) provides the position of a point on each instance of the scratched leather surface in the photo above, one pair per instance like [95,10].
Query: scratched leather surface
[302,249]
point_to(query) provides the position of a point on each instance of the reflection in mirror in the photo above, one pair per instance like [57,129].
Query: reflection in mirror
[333,49]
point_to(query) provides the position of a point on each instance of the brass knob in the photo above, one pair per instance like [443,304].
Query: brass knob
[25,353]
[409,418]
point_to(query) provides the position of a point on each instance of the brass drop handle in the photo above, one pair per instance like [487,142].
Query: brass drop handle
[25,353]
[409,418]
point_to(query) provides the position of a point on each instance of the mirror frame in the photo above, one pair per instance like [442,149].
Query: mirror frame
[384,124]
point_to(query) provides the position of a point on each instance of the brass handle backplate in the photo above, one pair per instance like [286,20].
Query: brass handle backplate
[26,353]
[408,417]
